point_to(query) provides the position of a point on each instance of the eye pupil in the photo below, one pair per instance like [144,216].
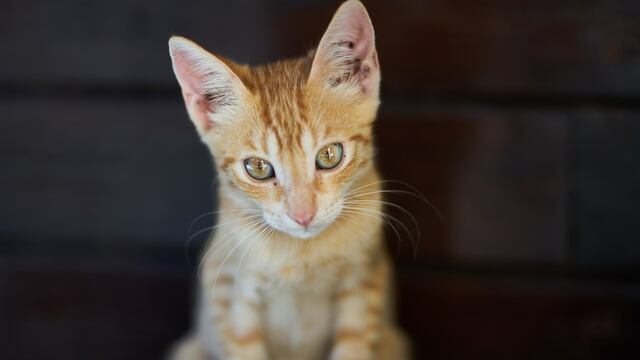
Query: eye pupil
[259,169]
[329,156]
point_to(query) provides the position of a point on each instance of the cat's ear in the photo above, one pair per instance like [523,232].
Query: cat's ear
[347,54]
[212,91]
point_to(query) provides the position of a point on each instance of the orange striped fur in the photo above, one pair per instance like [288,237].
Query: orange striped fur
[297,261]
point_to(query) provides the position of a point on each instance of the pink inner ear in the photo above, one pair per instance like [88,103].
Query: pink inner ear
[356,28]
[199,107]
[347,50]
[191,80]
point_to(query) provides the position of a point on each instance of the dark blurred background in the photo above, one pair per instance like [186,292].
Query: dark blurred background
[519,120]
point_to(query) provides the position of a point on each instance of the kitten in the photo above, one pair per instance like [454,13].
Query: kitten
[297,269]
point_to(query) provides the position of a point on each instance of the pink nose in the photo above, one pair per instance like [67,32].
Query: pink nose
[303,217]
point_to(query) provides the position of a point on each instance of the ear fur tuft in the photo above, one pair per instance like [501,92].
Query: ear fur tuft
[209,87]
[347,54]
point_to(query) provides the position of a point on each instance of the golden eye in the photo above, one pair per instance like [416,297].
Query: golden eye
[258,169]
[329,156]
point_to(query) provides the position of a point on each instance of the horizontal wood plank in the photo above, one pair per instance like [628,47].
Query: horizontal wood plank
[76,312]
[440,47]
[460,317]
[118,42]
[101,173]
[497,177]
[494,47]
[604,158]
[76,309]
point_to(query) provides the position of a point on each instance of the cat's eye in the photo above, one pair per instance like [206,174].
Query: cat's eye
[329,156]
[258,169]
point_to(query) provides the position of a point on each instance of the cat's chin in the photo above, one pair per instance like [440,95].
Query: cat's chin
[305,234]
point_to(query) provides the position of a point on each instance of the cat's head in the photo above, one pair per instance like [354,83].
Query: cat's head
[290,138]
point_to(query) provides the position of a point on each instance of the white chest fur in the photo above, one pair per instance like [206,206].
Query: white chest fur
[298,311]
[298,321]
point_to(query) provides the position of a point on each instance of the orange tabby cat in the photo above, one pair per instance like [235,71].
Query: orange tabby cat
[297,269]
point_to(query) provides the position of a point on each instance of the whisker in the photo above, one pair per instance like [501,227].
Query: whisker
[263,228]
[258,238]
[415,192]
[375,216]
[391,217]
[405,192]
[229,253]
[222,224]
[386,222]
[208,228]
[219,243]
[199,217]
[365,186]
[227,237]
[350,218]
[405,211]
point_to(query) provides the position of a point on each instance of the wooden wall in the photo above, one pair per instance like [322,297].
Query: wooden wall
[519,121]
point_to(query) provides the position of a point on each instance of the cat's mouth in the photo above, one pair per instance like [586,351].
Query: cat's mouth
[306,232]
[296,230]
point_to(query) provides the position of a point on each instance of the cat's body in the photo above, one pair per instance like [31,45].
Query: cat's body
[296,289]
[297,269]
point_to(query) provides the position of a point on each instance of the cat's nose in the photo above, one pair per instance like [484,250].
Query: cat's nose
[303,217]
[301,203]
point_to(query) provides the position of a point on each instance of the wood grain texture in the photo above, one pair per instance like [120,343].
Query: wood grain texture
[76,310]
[101,172]
[493,47]
[132,173]
[457,317]
[131,312]
[498,178]
[438,47]
[106,43]
[605,154]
